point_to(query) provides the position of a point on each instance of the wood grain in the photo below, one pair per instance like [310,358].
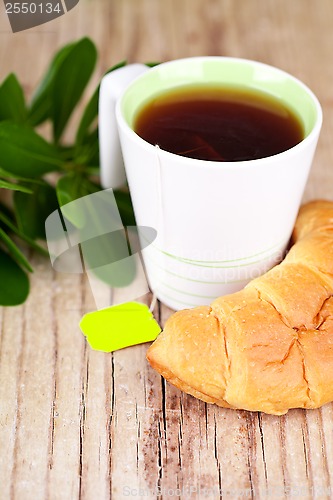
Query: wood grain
[75,423]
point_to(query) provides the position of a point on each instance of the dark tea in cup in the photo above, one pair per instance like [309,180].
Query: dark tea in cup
[215,123]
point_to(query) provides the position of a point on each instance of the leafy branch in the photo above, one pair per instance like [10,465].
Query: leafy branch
[26,157]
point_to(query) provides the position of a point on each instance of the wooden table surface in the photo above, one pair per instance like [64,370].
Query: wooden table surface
[75,423]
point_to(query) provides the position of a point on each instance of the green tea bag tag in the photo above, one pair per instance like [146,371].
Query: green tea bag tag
[119,326]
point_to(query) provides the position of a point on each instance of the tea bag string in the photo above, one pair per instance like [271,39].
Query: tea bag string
[160,205]
[160,227]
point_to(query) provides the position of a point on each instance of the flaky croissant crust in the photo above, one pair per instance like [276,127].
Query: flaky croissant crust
[269,347]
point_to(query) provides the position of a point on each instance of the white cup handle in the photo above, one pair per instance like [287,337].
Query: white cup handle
[112,86]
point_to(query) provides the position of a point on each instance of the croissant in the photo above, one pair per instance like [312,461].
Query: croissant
[268,347]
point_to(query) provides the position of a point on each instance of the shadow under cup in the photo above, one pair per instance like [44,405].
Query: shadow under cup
[219,224]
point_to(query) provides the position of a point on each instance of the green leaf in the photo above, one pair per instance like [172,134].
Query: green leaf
[14,287]
[14,250]
[91,111]
[89,115]
[67,152]
[69,188]
[11,175]
[12,105]
[41,104]
[32,210]
[14,187]
[152,64]
[70,81]
[5,211]
[72,186]
[5,220]
[124,204]
[88,152]
[90,170]
[25,153]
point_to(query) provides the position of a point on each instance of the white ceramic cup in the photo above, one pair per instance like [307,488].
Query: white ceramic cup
[219,224]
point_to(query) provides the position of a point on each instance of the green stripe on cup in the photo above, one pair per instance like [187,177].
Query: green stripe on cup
[151,261]
[203,263]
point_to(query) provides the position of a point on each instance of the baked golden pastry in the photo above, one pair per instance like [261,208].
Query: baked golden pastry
[269,347]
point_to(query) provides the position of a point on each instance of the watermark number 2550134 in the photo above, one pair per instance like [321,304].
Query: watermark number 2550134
[24,15]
